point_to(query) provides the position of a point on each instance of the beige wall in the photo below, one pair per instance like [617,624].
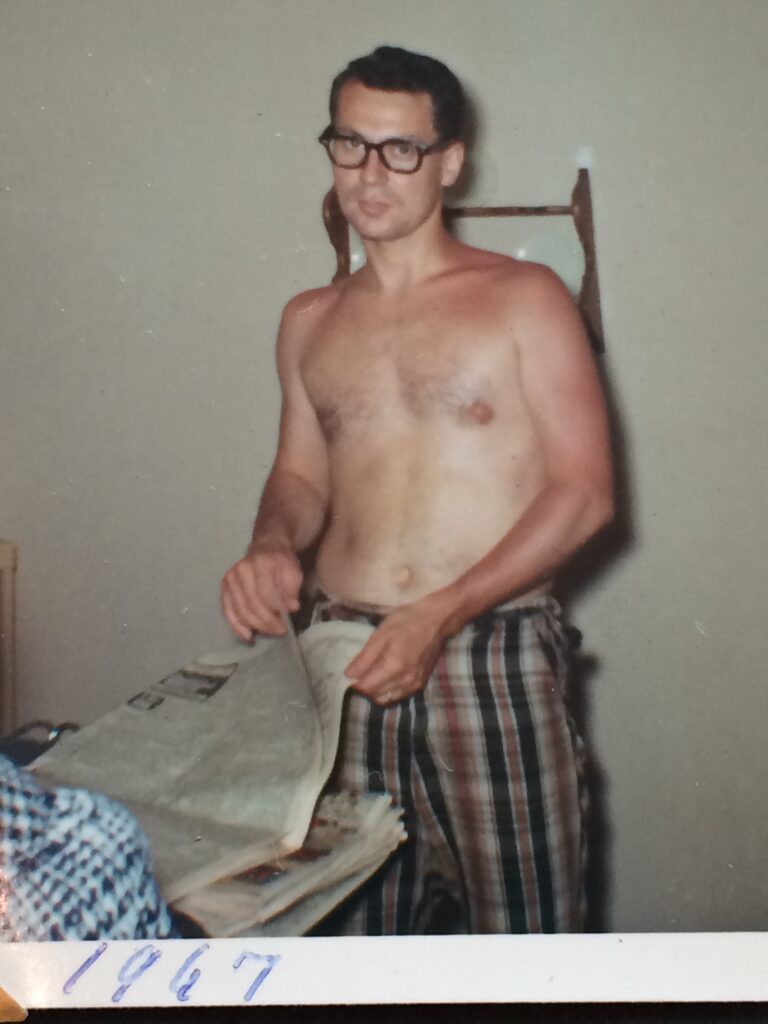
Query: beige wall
[159,201]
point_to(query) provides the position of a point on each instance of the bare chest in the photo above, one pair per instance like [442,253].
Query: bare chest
[435,370]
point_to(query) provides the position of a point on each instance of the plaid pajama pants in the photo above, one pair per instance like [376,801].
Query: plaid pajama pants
[487,765]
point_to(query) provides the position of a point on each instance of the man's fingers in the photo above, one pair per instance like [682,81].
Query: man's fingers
[288,580]
[243,593]
[240,586]
[384,689]
[277,584]
[387,698]
[258,591]
[381,677]
[364,659]
[235,622]
[253,600]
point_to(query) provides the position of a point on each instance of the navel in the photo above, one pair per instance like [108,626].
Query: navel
[403,576]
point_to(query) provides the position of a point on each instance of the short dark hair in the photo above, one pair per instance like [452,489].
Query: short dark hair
[393,69]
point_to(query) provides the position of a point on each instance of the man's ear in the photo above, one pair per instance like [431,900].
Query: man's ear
[453,161]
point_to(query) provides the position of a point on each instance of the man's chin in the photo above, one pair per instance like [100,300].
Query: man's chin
[380,235]
[376,229]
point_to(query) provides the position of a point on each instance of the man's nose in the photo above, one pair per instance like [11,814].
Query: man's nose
[373,170]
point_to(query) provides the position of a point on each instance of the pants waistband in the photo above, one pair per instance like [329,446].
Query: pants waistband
[509,609]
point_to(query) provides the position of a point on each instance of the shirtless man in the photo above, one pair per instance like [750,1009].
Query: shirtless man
[443,435]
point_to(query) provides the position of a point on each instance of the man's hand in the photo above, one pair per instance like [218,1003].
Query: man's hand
[398,659]
[259,589]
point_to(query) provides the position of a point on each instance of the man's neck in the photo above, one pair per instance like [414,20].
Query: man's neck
[406,262]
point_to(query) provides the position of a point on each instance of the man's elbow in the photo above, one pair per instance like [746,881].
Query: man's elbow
[299,480]
[599,510]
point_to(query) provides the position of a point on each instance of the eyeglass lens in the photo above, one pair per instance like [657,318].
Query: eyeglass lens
[397,154]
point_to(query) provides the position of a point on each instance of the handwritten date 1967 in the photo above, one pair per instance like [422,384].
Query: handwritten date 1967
[143,959]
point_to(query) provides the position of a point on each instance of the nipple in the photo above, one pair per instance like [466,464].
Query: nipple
[480,412]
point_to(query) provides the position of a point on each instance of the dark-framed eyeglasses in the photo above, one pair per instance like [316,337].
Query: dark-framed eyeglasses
[403,156]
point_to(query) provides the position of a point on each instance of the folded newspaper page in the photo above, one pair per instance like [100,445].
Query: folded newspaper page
[350,834]
[307,913]
[222,762]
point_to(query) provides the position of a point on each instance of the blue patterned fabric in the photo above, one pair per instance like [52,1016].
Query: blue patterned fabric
[73,865]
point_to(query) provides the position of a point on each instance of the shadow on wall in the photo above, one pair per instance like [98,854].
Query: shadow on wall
[597,882]
[585,570]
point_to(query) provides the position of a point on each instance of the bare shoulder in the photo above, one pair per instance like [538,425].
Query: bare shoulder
[302,312]
[539,307]
[300,320]
[519,295]
[537,283]
[527,285]
[521,283]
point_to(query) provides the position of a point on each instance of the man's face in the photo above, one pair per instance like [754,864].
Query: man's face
[383,205]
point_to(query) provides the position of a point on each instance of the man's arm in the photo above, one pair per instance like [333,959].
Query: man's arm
[562,390]
[262,586]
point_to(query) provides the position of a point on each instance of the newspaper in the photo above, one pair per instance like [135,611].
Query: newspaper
[350,837]
[222,762]
[304,915]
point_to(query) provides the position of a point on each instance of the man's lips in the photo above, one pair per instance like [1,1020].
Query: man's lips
[372,207]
